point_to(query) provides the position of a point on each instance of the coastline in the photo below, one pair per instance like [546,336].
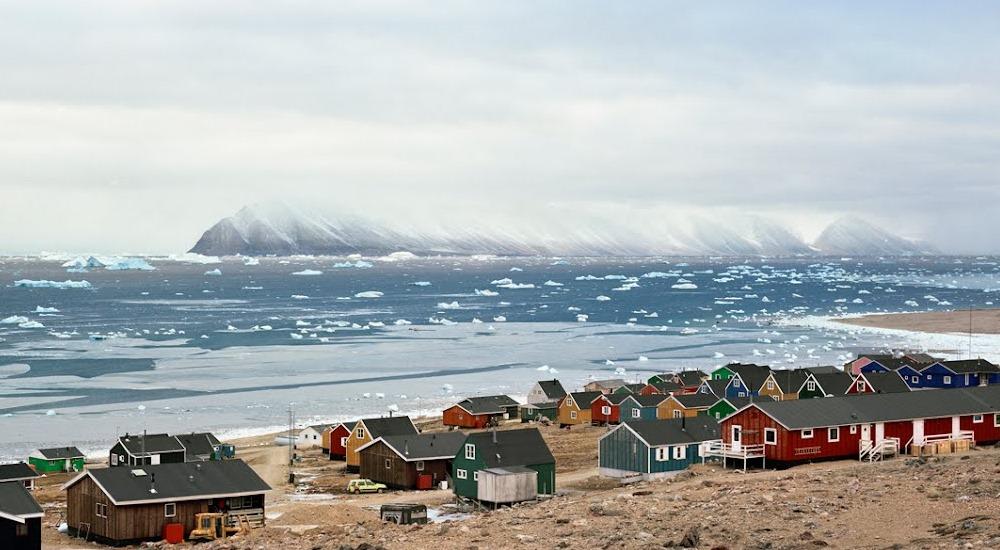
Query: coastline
[981,321]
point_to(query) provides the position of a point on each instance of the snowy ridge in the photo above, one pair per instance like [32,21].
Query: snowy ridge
[279,229]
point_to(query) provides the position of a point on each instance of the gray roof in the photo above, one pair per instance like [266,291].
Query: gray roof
[675,431]
[834,383]
[695,400]
[583,399]
[16,471]
[61,453]
[512,448]
[610,384]
[389,425]
[653,400]
[17,502]
[886,382]
[882,407]
[753,376]
[553,389]
[510,471]
[633,388]
[198,445]
[425,446]
[691,377]
[547,405]
[487,404]
[718,387]
[790,380]
[667,386]
[155,443]
[178,481]
[970,366]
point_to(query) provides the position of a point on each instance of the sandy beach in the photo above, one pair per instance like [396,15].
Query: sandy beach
[983,321]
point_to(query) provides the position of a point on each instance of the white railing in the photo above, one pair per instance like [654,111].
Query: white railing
[878,451]
[961,435]
[728,450]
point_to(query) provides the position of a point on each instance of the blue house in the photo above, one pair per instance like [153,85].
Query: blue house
[640,407]
[655,448]
[953,374]
[746,380]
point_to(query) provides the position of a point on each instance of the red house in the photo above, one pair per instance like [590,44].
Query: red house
[338,441]
[606,409]
[867,426]
[480,412]
[667,387]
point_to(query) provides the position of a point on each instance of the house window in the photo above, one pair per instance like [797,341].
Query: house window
[461,474]
[977,419]
[636,413]
[388,464]
[742,394]
[947,380]
[854,429]
[861,386]
[770,436]
[420,465]
[114,459]
[169,510]
[833,434]
[770,384]
[247,502]
[807,433]
[605,410]
[996,420]
[475,475]
[102,510]
[915,379]
[680,452]
[343,442]
[661,454]
[572,415]
[470,451]
[360,434]
[678,414]
[736,382]
[811,385]
[718,416]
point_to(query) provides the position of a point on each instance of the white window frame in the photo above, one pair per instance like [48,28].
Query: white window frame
[736,382]
[770,384]
[360,433]
[114,459]
[636,413]
[806,433]
[475,475]
[572,415]
[101,506]
[946,379]
[810,385]
[470,451]
[861,386]
[977,419]
[915,379]
[662,454]
[678,413]
[854,429]
[742,394]
[461,474]
[773,433]
[606,410]
[388,464]
[170,510]
[996,420]
[343,442]
[833,434]
[420,465]
[680,452]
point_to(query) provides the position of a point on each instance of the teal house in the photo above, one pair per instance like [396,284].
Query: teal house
[503,450]
[640,407]
[655,448]
[533,412]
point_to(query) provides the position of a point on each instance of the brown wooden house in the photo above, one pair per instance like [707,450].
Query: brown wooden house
[120,506]
[418,461]
[370,429]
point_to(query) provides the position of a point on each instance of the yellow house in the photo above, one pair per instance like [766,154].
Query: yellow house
[369,429]
[784,384]
[685,404]
[575,408]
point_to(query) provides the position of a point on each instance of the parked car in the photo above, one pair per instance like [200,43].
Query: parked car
[358,486]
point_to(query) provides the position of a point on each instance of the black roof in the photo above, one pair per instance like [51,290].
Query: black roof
[553,389]
[198,445]
[675,431]
[753,376]
[970,366]
[487,404]
[667,386]
[718,387]
[61,453]
[696,400]
[834,383]
[177,481]
[633,388]
[691,377]
[824,369]
[610,384]
[389,425]
[790,380]
[425,446]
[17,502]
[155,443]
[886,382]
[583,399]
[16,471]
[512,448]
[882,407]
[546,405]
[653,400]
[740,402]
[892,362]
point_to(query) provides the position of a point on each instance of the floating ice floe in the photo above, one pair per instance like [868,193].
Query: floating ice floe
[684,286]
[643,358]
[517,286]
[126,264]
[582,317]
[308,272]
[30,324]
[398,257]
[214,272]
[689,330]
[402,322]
[359,264]
[299,297]
[552,283]
[80,263]
[14,320]
[250,261]
[29,283]
[295,336]
[421,283]
[441,321]
[192,258]
[486,292]
[500,319]
[449,305]
[603,298]
[369,294]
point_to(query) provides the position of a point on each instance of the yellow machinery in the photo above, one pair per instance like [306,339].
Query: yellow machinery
[215,525]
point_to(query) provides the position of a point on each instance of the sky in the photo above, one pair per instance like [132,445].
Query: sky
[135,125]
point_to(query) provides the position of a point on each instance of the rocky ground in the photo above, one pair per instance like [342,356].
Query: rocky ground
[952,501]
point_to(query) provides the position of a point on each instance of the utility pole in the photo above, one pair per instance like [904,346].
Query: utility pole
[970,331]
[291,443]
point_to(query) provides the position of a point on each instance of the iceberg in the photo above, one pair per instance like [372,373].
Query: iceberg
[299,297]
[448,305]
[603,298]
[14,320]
[421,283]
[369,294]
[249,260]
[402,322]
[504,281]
[29,283]
[399,257]
[40,309]
[359,264]
[308,272]
[441,321]
[517,286]
[126,264]
[552,283]
[500,319]
[684,286]
[214,272]
[486,292]
[30,324]
[192,258]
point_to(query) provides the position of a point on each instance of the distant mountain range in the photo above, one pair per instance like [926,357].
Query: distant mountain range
[279,229]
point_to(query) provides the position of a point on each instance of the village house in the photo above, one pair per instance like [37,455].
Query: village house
[138,450]
[337,436]
[689,380]
[640,407]
[951,374]
[204,446]
[825,384]
[665,387]
[311,437]
[864,426]
[685,404]
[721,373]
[784,384]
[746,379]
[655,448]
[20,518]
[887,362]
[20,473]
[605,409]
[535,412]
[419,461]
[369,429]
[630,388]
[878,382]
[480,412]
[57,459]
[124,506]
[495,466]
[546,391]
[727,406]
[604,386]
[575,408]
[714,386]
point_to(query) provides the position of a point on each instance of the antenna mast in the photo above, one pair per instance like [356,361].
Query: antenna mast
[291,443]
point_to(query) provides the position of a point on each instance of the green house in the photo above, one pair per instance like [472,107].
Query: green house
[823,384]
[503,449]
[726,406]
[629,389]
[531,412]
[59,459]
[722,373]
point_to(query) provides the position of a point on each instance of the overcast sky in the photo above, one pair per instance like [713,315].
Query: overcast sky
[134,126]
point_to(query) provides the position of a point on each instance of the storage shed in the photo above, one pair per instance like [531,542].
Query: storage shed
[507,485]
[58,459]
[20,518]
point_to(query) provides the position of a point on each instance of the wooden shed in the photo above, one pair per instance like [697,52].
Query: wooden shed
[417,461]
[57,459]
[685,404]
[507,485]
[18,472]
[534,412]
[20,518]
[480,412]
[606,409]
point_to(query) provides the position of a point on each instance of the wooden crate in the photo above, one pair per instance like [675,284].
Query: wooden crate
[944,447]
[928,450]
[962,446]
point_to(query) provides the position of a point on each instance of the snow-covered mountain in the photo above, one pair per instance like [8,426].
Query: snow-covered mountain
[857,237]
[280,229]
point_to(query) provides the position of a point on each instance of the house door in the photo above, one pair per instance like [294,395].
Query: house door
[879,432]
[866,433]
[956,425]
[918,432]
[737,437]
